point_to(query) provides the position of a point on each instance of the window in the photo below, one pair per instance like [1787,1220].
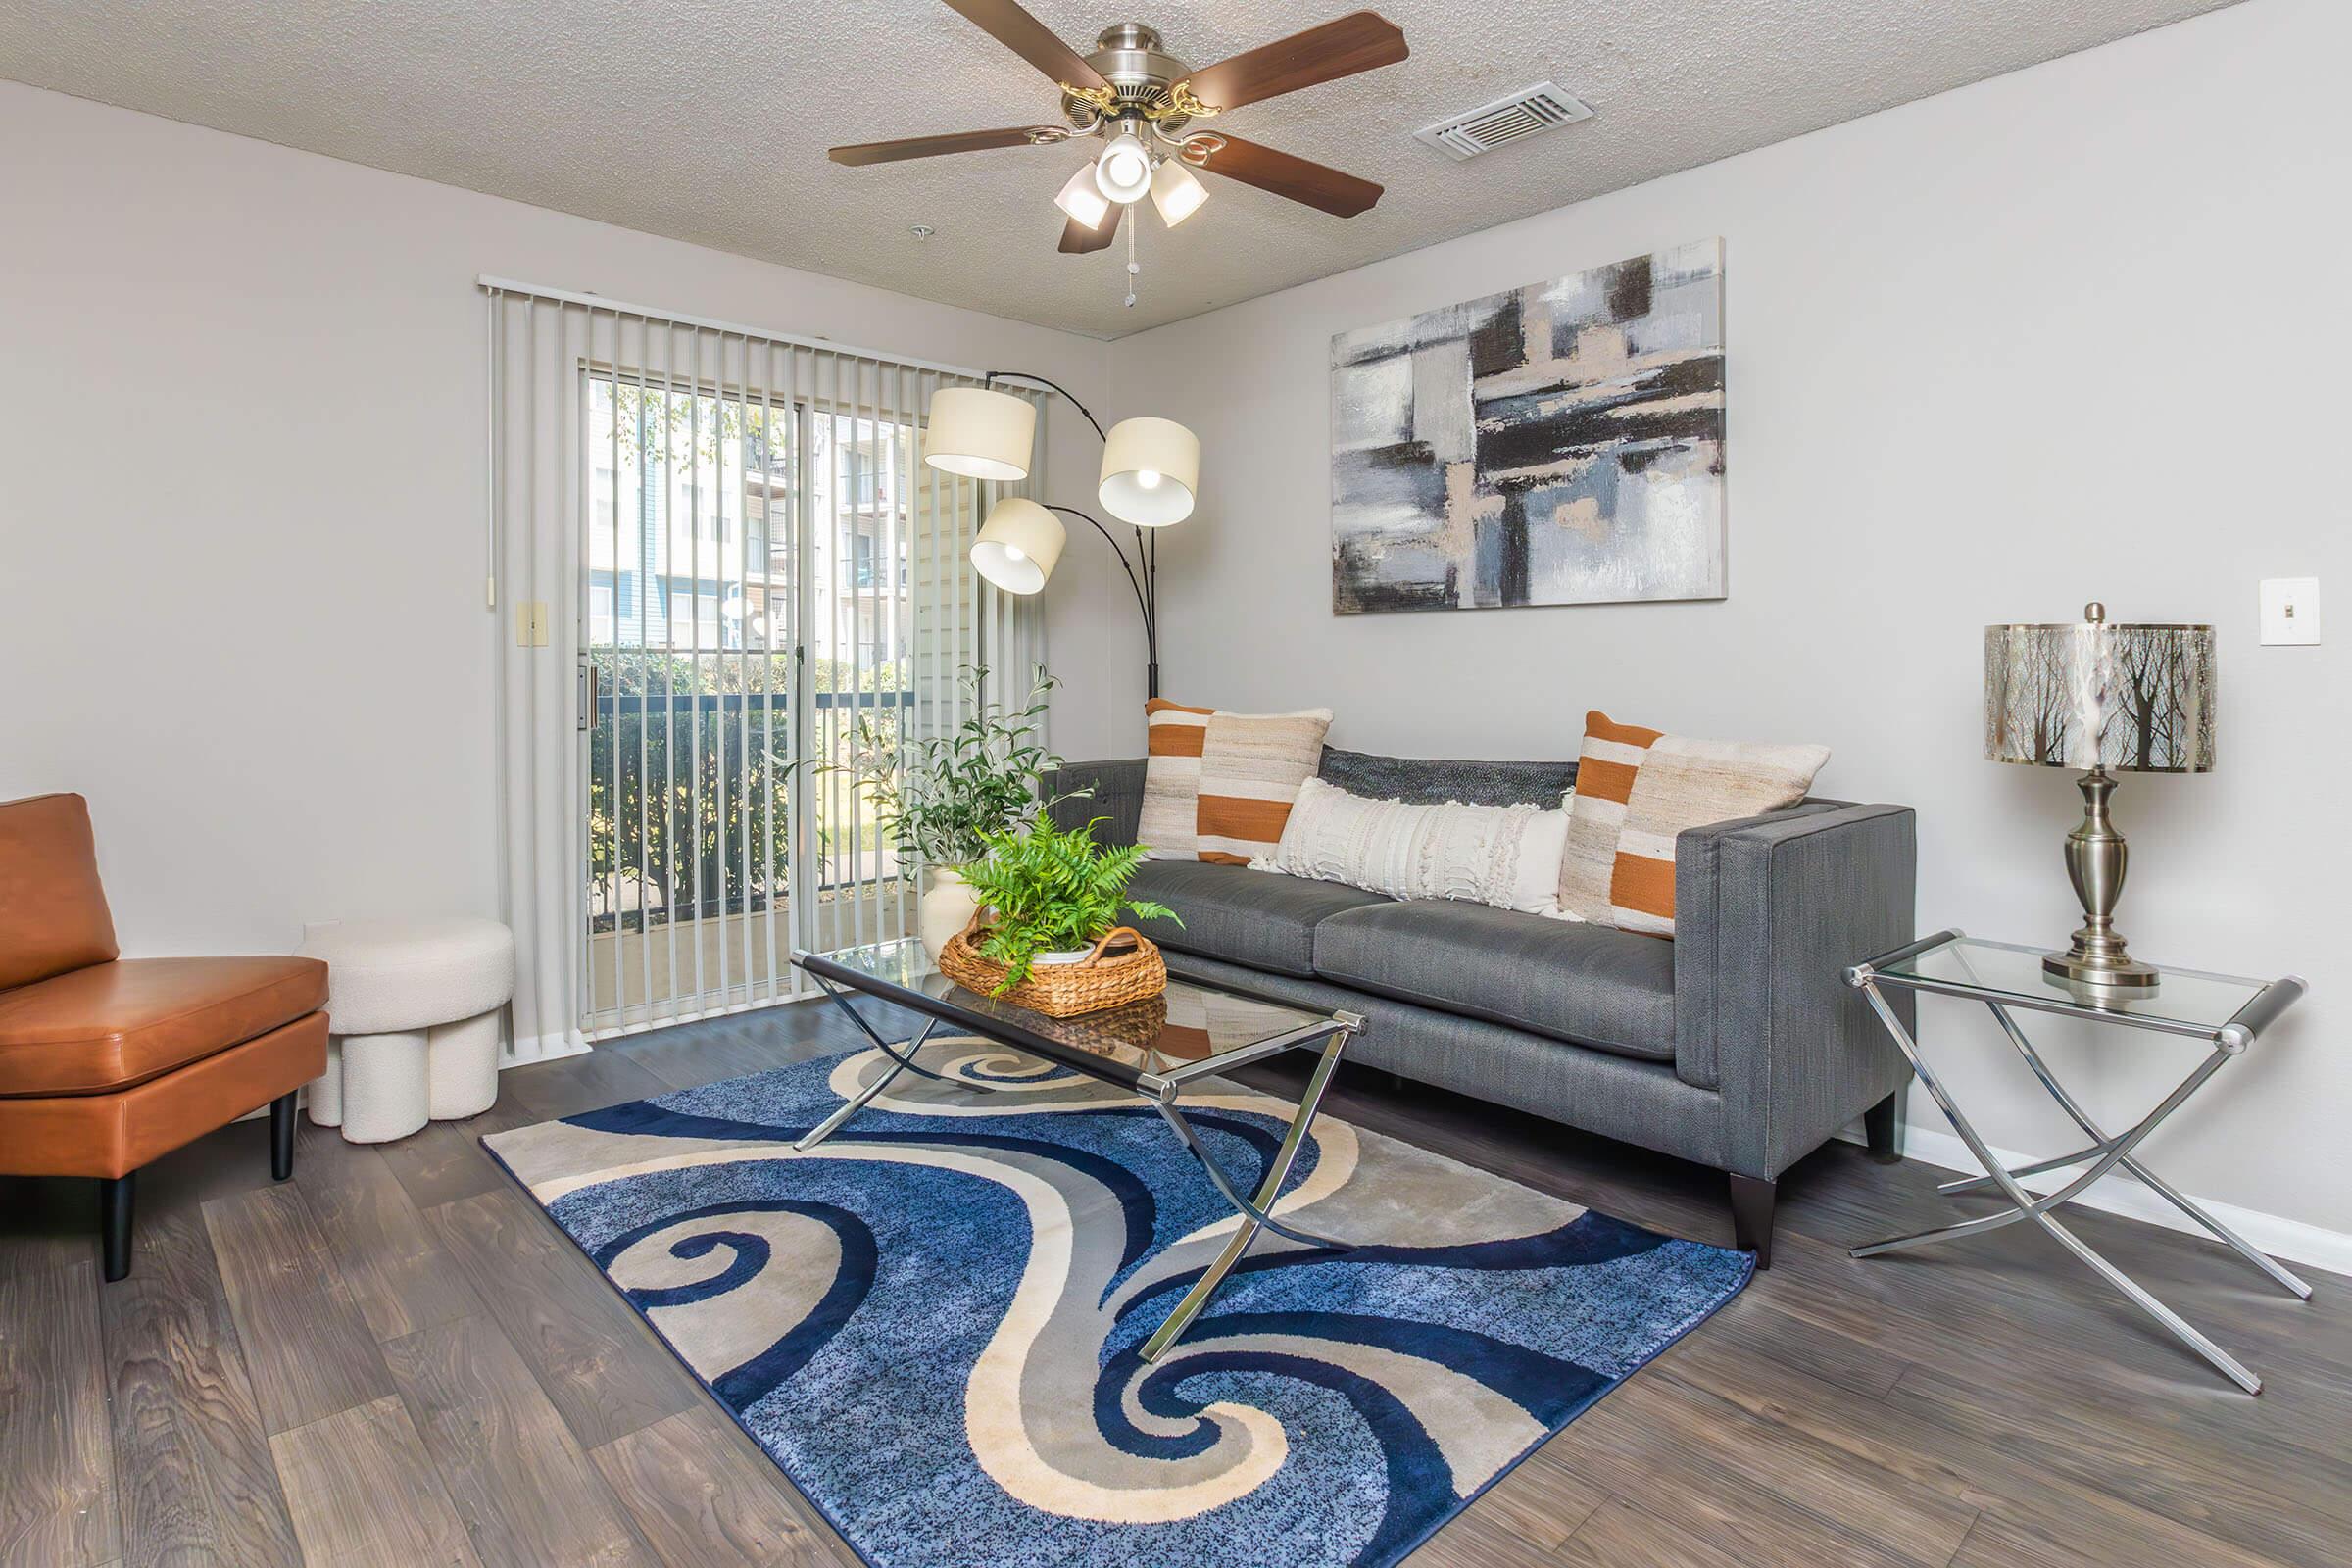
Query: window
[865,466]
[693,620]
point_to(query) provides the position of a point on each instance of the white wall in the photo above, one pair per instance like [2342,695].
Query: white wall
[2077,332]
[242,434]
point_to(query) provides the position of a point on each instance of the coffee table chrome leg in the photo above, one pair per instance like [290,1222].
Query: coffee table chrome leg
[2171,1193]
[1254,1214]
[2028,1207]
[1251,1212]
[858,1101]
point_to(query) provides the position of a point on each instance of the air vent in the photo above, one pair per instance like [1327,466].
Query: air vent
[1505,120]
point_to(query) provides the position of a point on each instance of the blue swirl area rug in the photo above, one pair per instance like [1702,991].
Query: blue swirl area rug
[930,1321]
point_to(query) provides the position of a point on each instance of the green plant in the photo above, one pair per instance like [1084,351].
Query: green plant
[689,770]
[1048,890]
[942,795]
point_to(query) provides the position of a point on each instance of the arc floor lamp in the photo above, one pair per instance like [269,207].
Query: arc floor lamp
[1150,473]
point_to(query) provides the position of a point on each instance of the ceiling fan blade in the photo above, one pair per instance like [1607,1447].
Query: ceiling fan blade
[1316,184]
[1077,239]
[1022,33]
[962,142]
[1363,41]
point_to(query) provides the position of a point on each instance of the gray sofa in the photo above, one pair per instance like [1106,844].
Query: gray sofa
[1735,1045]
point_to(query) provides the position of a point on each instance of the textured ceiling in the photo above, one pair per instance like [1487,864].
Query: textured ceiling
[708,120]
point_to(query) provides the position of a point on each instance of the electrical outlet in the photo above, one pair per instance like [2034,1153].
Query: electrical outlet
[530,624]
[2290,610]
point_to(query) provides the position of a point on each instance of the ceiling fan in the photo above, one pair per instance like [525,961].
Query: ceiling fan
[1139,100]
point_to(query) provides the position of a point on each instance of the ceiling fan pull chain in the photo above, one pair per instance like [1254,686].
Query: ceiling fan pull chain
[1134,269]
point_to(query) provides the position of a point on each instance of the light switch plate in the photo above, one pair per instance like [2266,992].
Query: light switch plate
[530,624]
[2290,610]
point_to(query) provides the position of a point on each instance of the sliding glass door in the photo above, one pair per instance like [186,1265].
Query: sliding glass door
[776,600]
[691,646]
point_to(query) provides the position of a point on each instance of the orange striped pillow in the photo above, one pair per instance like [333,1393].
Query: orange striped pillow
[1174,736]
[1685,783]
[1253,767]
[1605,771]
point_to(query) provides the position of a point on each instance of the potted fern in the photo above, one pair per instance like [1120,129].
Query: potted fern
[1049,896]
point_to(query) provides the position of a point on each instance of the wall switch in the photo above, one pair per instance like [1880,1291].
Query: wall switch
[530,624]
[2290,610]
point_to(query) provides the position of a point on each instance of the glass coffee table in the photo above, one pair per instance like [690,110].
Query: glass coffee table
[1156,1049]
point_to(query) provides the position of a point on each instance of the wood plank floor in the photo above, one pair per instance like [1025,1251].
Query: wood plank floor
[397,1359]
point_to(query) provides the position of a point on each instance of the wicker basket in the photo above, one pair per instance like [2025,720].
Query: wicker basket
[1101,979]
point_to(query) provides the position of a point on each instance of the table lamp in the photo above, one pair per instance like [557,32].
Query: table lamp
[2101,697]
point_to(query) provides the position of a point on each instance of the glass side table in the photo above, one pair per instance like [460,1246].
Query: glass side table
[2226,1012]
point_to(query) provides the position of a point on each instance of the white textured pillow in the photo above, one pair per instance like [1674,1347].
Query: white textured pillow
[1506,855]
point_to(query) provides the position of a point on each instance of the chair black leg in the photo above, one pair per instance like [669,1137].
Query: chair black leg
[1878,1123]
[114,1224]
[282,1137]
[1751,1216]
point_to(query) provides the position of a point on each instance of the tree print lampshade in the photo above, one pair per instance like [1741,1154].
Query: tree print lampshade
[2130,699]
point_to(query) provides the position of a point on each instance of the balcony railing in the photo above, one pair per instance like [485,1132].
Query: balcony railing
[702,863]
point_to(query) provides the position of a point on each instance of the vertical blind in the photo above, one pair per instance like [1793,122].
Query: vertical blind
[725,585]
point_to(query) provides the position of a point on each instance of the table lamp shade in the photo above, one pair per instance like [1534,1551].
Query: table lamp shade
[980,433]
[2088,694]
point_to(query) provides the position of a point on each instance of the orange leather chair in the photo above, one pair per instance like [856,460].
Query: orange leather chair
[108,1062]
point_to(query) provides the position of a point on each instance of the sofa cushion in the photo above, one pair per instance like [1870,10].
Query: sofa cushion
[1589,984]
[1429,781]
[1259,918]
[96,1030]
[114,1134]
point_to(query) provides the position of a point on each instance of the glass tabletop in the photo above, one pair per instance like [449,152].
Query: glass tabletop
[1190,1030]
[2183,1002]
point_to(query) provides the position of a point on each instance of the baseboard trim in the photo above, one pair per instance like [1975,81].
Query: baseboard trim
[2122,1193]
[542,1047]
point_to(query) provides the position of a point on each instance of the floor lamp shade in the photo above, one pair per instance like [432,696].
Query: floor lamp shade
[1150,468]
[981,433]
[1018,545]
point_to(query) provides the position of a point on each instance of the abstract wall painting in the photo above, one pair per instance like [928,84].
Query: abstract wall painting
[1560,443]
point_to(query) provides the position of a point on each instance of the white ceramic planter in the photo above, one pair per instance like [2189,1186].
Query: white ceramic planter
[1073,956]
[946,907]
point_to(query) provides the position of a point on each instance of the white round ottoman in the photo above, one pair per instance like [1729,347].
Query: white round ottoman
[414,1009]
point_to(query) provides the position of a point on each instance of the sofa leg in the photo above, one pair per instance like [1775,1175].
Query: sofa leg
[1751,1216]
[282,1137]
[114,1224]
[1878,1124]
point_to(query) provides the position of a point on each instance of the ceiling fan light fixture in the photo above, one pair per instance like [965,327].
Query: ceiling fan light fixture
[1176,191]
[1124,171]
[1142,101]
[1151,468]
[1082,200]
[980,433]
[1018,545]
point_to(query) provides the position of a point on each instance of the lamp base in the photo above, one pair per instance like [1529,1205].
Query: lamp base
[2090,969]
[2096,857]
